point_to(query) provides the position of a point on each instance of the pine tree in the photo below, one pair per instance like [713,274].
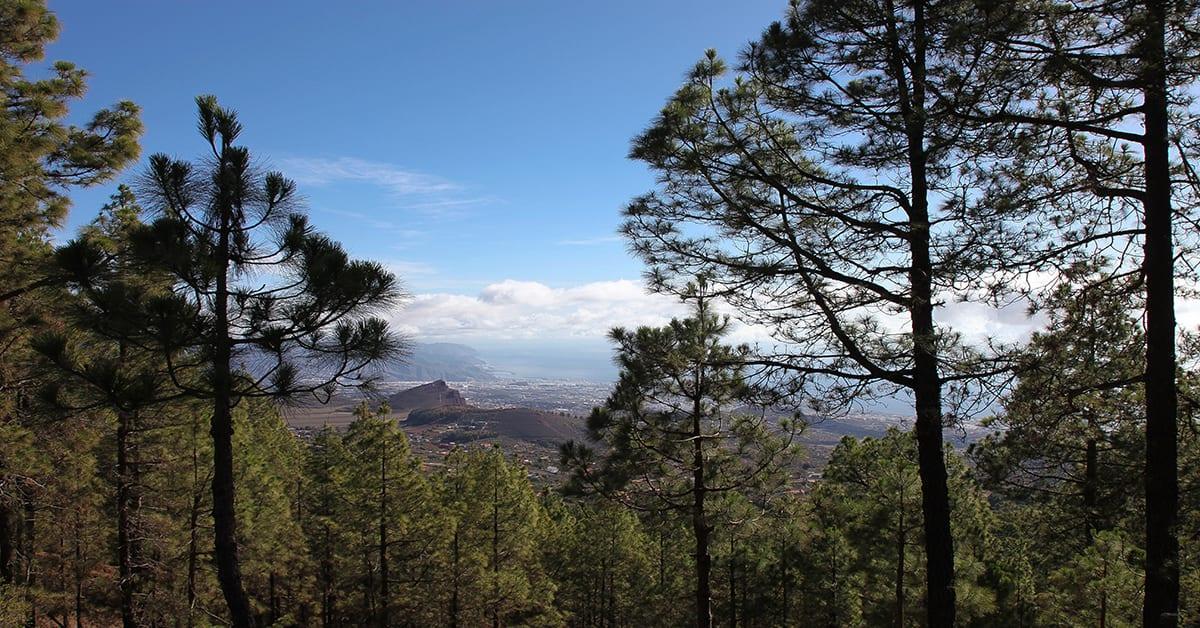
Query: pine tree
[599,557]
[680,428]
[869,494]
[826,190]
[68,548]
[216,223]
[94,373]
[1069,433]
[1069,456]
[42,158]
[393,515]
[267,464]
[326,506]
[1102,90]
[491,567]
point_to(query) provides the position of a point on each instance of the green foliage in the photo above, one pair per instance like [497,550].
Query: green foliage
[869,494]
[393,521]
[41,156]
[599,555]
[1100,585]
[1072,426]
[324,505]
[682,427]
[491,570]
[268,468]
[860,167]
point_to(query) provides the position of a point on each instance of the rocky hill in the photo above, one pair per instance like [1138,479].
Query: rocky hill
[435,394]
[339,411]
[437,413]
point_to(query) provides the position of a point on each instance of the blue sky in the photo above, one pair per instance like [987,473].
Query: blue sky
[471,141]
[476,148]
[479,148]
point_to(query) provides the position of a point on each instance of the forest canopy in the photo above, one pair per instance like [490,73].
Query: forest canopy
[855,171]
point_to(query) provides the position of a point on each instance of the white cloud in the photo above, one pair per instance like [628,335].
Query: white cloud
[978,322]
[409,188]
[1187,313]
[530,310]
[511,310]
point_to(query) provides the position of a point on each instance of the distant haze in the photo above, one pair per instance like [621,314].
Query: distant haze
[581,360]
[584,360]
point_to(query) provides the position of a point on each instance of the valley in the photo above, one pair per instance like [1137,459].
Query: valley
[529,419]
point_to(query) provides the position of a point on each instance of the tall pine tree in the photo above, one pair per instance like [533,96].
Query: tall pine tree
[682,427]
[227,337]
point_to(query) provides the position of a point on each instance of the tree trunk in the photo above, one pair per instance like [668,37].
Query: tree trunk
[1091,481]
[662,556]
[926,381]
[1103,620]
[327,581]
[368,588]
[194,525]
[273,610]
[935,495]
[125,502]
[78,542]
[454,610]
[745,606]
[1161,606]
[383,538]
[495,552]
[900,545]
[701,530]
[30,525]
[6,543]
[785,582]
[225,544]
[732,585]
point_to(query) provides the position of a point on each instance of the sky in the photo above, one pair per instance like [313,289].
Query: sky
[477,148]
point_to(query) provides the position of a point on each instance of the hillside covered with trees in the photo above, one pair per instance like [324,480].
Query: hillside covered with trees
[860,166]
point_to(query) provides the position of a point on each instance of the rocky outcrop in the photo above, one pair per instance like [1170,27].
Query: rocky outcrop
[436,394]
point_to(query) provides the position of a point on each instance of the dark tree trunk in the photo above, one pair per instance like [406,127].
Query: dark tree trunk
[1161,607]
[926,381]
[662,556]
[700,527]
[6,544]
[225,544]
[194,525]
[383,539]
[327,581]
[273,610]
[611,618]
[900,546]
[785,581]
[1091,482]
[935,496]
[30,527]
[495,552]
[745,606]
[368,588]
[454,603]
[125,505]
[78,541]
[1102,622]
[732,584]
